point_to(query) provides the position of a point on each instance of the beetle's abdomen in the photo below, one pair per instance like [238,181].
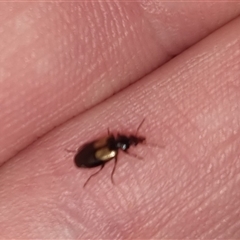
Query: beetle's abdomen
[85,158]
[96,153]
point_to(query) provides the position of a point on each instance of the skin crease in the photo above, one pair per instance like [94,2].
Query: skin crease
[60,60]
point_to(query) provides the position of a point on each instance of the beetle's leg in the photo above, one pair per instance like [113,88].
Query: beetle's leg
[114,168]
[93,175]
[153,145]
[70,151]
[133,155]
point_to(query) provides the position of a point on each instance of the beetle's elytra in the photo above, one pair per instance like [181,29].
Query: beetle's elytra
[99,152]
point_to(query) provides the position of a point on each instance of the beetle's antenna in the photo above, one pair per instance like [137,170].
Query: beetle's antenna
[140,125]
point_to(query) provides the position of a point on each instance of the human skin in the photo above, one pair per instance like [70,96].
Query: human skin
[70,71]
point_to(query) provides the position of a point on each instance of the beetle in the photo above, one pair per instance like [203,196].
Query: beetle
[101,151]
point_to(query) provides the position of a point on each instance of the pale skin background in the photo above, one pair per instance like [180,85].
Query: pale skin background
[69,71]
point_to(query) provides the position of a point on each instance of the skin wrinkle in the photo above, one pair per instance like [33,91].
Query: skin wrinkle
[211,230]
[176,188]
[204,202]
[131,224]
[49,9]
[193,199]
[233,224]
